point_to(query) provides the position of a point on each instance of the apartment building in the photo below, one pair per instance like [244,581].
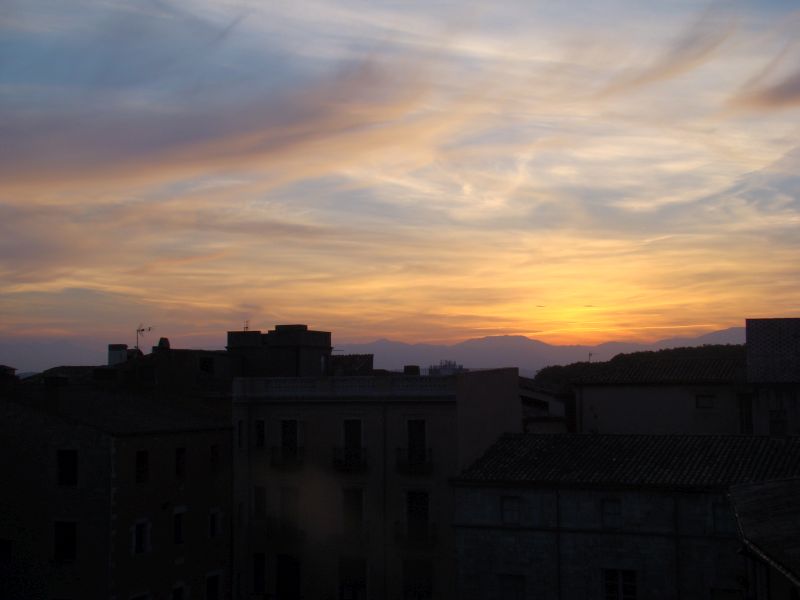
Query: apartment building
[115,494]
[342,482]
[623,517]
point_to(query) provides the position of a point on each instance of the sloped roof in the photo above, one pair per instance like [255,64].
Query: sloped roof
[675,461]
[768,514]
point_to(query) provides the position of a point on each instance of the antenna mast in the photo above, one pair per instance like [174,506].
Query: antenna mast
[141,330]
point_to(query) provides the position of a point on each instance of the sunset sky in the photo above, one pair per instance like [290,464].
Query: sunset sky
[427,171]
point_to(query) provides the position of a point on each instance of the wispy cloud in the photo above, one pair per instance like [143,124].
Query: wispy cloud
[421,172]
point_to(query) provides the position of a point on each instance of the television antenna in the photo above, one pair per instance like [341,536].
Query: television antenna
[247,325]
[141,330]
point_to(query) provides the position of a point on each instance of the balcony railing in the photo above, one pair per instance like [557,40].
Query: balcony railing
[356,534]
[418,534]
[286,531]
[352,460]
[414,461]
[287,457]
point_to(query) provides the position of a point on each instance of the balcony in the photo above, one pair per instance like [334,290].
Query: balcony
[414,461]
[416,534]
[287,457]
[286,532]
[353,534]
[350,460]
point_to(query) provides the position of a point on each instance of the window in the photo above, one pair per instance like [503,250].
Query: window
[239,433]
[289,507]
[177,526]
[417,579]
[179,592]
[214,523]
[259,573]
[68,467]
[512,587]
[259,502]
[290,438]
[240,513]
[777,422]
[142,466]
[612,513]
[65,541]
[207,365]
[724,521]
[619,584]
[214,455]
[352,579]
[417,441]
[180,463]
[510,509]
[212,587]
[260,433]
[352,509]
[704,401]
[417,513]
[141,537]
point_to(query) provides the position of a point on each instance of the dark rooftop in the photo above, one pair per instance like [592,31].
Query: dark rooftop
[705,364]
[769,521]
[673,461]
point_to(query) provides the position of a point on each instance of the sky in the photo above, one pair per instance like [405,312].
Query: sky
[421,171]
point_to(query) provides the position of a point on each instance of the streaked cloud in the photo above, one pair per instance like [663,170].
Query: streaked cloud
[423,172]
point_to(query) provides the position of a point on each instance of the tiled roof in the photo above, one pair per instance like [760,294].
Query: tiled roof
[665,371]
[676,461]
[769,521]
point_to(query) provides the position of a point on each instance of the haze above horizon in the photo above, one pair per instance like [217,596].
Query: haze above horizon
[426,172]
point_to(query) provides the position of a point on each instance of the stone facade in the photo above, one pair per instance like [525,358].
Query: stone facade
[568,544]
[343,483]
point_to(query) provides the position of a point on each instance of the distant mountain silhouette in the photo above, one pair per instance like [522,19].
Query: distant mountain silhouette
[528,354]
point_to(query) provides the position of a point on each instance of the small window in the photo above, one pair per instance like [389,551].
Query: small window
[239,433]
[510,508]
[179,592]
[65,541]
[259,502]
[704,401]
[619,584]
[177,527]
[214,455]
[260,433]
[142,466]
[207,365]
[612,513]
[259,572]
[512,587]
[213,523]
[724,521]
[68,467]
[180,463]
[141,537]
[212,587]
[240,514]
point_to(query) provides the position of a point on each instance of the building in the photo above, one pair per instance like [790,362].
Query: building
[575,516]
[715,389]
[768,518]
[773,369]
[342,484]
[116,493]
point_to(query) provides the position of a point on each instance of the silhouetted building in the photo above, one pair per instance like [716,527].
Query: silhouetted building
[578,516]
[342,483]
[768,516]
[545,407]
[773,368]
[286,351]
[115,494]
